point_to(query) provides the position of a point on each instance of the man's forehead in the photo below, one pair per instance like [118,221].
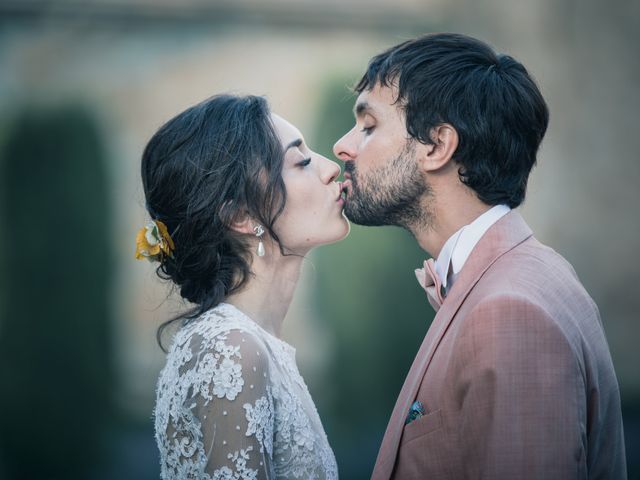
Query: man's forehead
[379,99]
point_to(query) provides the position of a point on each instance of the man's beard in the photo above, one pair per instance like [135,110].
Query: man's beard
[390,195]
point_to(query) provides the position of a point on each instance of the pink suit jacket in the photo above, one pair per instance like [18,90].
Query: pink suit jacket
[515,375]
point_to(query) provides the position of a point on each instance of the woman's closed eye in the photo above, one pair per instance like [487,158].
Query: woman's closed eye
[304,162]
[367,130]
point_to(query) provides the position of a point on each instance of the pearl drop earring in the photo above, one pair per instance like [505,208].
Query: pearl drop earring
[259,231]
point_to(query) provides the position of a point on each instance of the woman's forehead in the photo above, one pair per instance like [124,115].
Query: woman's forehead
[287,132]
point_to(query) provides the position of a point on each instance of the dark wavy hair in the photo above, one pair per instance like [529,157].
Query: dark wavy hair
[490,99]
[205,167]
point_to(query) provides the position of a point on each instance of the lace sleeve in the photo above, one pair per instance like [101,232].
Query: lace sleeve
[229,397]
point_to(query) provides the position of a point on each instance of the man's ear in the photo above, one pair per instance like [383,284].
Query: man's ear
[436,156]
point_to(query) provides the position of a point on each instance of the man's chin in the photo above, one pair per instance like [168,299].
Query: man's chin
[360,218]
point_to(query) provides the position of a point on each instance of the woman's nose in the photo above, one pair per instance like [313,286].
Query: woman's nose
[332,171]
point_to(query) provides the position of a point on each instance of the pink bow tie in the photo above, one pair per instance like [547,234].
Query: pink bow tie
[430,281]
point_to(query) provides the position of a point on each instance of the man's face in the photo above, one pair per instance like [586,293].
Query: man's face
[383,181]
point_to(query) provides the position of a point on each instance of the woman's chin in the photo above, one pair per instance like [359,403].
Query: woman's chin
[342,231]
[338,232]
[347,229]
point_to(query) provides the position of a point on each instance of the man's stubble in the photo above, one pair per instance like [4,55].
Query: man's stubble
[396,194]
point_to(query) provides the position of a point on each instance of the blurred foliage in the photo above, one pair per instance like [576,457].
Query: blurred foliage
[368,296]
[55,351]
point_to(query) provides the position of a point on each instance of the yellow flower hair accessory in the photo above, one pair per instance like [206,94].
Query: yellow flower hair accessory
[153,241]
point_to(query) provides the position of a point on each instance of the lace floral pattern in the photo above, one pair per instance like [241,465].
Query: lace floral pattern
[240,472]
[231,404]
[260,419]
[227,380]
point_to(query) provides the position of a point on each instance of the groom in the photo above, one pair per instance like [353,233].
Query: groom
[514,379]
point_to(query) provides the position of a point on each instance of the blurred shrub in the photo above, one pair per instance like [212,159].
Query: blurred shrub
[55,353]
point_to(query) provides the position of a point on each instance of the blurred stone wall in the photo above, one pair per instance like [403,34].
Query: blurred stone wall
[136,63]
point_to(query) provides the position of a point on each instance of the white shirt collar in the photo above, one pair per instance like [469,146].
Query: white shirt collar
[459,246]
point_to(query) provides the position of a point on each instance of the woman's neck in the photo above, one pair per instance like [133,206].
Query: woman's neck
[267,295]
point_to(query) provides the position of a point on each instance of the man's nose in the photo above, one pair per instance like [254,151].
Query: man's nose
[345,148]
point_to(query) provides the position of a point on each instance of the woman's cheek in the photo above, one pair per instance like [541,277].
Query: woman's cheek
[306,199]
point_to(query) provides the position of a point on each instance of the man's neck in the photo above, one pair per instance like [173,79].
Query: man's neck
[448,215]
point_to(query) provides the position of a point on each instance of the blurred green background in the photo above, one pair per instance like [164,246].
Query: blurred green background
[83,85]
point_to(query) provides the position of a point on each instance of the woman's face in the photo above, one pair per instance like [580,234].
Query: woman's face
[313,212]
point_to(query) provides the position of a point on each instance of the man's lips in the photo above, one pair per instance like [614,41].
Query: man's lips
[346,185]
[343,190]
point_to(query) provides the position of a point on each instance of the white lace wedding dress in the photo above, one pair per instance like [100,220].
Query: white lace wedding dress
[231,404]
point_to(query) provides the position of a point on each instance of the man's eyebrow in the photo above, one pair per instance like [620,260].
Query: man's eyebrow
[361,108]
[293,144]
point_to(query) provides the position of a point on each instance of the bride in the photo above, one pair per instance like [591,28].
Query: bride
[237,199]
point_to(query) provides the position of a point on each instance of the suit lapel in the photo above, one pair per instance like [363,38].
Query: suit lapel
[504,235]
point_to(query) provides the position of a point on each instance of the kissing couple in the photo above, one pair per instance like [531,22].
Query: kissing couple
[514,379]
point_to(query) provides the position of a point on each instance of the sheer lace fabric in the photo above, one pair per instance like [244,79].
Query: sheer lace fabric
[231,404]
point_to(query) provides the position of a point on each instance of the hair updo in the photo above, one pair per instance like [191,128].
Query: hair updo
[204,168]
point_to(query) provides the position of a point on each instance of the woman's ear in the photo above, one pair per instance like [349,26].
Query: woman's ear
[437,155]
[242,220]
[244,224]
